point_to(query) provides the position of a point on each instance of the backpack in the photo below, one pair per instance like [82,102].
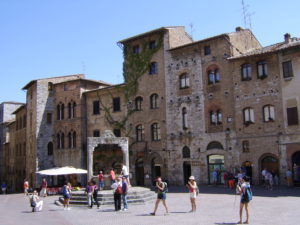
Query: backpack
[119,190]
[248,194]
[165,187]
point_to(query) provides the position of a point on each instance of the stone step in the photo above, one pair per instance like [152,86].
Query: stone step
[110,197]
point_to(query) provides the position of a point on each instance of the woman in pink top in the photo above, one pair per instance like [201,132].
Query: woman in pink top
[192,186]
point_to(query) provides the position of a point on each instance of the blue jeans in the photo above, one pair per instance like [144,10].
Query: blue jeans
[101,185]
[124,199]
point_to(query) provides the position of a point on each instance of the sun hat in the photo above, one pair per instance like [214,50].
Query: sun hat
[192,178]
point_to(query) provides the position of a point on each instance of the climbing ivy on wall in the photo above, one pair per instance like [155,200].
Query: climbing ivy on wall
[135,65]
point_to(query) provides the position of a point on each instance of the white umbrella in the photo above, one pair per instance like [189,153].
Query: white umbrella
[62,171]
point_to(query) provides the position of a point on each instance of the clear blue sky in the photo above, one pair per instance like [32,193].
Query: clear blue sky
[44,38]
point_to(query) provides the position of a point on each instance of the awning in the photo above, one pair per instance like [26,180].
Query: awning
[62,171]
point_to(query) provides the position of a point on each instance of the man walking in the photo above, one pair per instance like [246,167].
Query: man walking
[101,180]
[124,193]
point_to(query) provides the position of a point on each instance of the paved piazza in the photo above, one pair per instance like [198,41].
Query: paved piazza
[216,205]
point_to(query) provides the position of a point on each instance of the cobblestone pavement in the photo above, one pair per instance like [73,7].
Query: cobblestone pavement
[216,206]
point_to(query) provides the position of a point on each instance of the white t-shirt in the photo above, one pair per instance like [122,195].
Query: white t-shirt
[289,173]
[125,170]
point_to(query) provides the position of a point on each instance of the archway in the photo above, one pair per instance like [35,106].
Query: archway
[216,163]
[187,171]
[139,172]
[296,167]
[269,162]
[107,156]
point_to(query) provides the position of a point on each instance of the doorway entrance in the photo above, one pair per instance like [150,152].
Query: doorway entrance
[139,172]
[296,167]
[247,169]
[187,171]
[155,169]
[216,163]
[270,163]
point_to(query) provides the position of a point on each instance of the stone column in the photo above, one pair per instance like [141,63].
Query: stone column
[90,159]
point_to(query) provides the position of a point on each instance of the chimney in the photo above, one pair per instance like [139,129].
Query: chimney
[238,29]
[287,38]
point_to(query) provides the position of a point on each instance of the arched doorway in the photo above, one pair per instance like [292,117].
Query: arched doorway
[270,163]
[139,172]
[296,167]
[107,156]
[187,171]
[216,163]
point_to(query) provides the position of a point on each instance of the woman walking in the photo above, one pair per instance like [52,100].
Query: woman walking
[193,190]
[67,195]
[246,196]
[161,195]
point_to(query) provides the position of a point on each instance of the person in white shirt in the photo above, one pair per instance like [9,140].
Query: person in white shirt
[125,173]
[35,203]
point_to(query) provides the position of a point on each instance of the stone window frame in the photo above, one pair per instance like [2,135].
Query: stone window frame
[213,74]
[249,117]
[184,115]
[246,146]
[207,50]
[292,116]
[72,139]
[153,68]
[184,81]
[116,103]
[268,113]
[262,69]
[138,103]
[60,109]
[96,133]
[152,44]
[50,148]
[155,132]
[60,140]
[215,117]
[186,152]
[287,69]
[71,109]
[136,49]
[154,101]
[246,72]
[139,133]
[96,107]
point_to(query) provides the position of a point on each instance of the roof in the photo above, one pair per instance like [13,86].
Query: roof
[147,33]
[200,41]
[34,81]
[18,109]
[270,49]
[12,102]
[9,121]
[86,80]
[105,88]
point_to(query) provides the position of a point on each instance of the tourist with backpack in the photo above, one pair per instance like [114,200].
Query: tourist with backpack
[245,191]
[95,195]
[193,190]
[66,191]
[162,189]
[117,189]
[89,193]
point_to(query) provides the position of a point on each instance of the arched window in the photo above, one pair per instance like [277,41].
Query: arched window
[214,145]
[215,117]
[155,132]
[60,111]
[72,139]
[246,70]
[248,116]
[139,131]
[50,148]
[153,68]
[184,118]
[154,101]
[184,81]
[186,153]
[71,109]
[213,76]
[60,140]
[138,103]
[269,113]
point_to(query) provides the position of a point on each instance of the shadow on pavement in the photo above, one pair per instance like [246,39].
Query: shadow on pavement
[280,191]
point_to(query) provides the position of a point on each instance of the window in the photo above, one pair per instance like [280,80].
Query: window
[136,49]
[139,131]
[184,81]
[184,118]
[116,104]
[153,68]
[71,109]
[96,133]
[60,111]
[60,140]
[245,145]
[117,132]
[287,69]
[207,50]
[50,148]
[213,76]
[138,103]
[154,101]
[186,152]
[72,139]
[262,70]
[292,116]
[96,107]
[248,116]
[49,118]
[155,132]
[269,113]
[152,44]
[246,71]
[215,117]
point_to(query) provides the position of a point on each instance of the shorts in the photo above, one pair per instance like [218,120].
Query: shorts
[67,196]
[126,176]
[243,200]
[161,196]
[193,194]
